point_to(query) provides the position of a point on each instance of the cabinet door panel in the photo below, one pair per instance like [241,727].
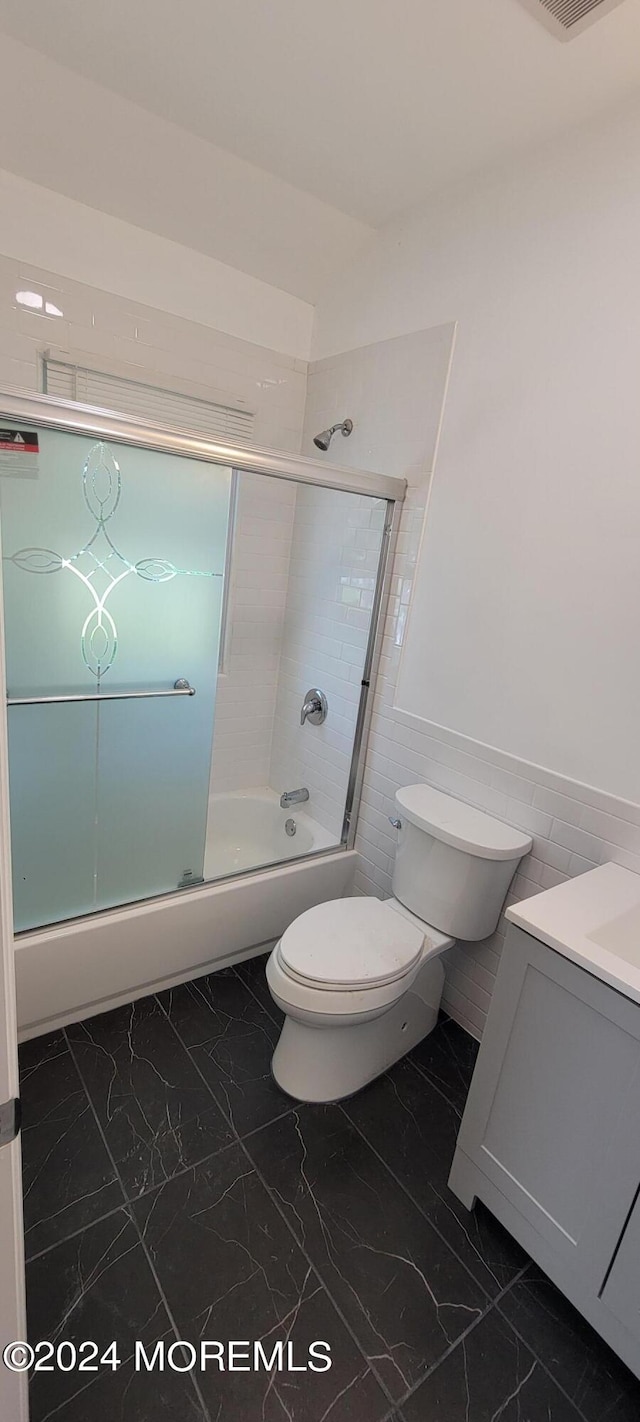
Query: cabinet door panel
[553,1115]
[621,1294]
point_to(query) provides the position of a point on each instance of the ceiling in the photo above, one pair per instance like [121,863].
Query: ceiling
[366,106]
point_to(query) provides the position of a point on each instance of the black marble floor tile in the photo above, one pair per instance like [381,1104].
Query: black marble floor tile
[376,1256]
[156,1113]
[207,1007]
[135,1396]
[231,1039]
[411,1125]
[448,1056]
[68,1179]
[490,1375]
[346,1392]
[402,1291]
[601,1387]
[32,1054]
[230,1269]
[252,972]
[97,1286]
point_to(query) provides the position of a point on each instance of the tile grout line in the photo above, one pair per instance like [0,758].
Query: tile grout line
[423,1072]
[31,1258]
[239,1141]
[225,1114]
[243,1141]
[462,1338]
[319,1277]
[255,996]
[223,1111]
[424,1214]
[131,1216]
[540,1361]
[441,1025]
[94,1113]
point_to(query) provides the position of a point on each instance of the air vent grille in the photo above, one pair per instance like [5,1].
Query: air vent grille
[567,18]
[69,379]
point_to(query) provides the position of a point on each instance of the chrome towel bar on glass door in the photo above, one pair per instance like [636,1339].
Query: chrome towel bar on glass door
[180,688]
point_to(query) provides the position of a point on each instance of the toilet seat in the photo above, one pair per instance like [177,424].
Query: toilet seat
[350,945]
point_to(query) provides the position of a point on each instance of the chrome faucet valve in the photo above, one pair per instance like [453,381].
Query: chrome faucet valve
[314,707]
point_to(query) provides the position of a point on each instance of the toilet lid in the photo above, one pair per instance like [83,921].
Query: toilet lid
[350,943]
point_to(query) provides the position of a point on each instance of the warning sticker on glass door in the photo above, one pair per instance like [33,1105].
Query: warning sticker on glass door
[19,453]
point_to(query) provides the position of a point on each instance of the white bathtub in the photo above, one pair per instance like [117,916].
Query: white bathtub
[72,970]
[246,830]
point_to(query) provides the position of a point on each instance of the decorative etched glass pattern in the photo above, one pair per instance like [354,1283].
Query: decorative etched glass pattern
[108,573]
[99,564]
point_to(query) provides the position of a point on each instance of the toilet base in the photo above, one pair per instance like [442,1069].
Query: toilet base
[326,1063]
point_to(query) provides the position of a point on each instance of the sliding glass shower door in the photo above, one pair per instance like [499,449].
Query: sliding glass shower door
[113,565]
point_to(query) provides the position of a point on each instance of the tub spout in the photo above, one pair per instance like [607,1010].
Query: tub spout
[293,797]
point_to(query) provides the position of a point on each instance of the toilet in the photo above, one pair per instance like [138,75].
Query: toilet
[360,979]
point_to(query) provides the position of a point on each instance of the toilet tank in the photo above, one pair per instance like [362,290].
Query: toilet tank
[453,863]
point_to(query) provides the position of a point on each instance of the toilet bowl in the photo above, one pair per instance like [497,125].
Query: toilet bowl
[360,979]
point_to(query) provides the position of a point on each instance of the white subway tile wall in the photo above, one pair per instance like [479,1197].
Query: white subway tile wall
[392,390]
[332,575]
[248,685]
[148,343]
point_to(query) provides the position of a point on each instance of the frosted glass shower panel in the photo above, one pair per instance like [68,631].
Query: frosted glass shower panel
[113,563]
[52,757]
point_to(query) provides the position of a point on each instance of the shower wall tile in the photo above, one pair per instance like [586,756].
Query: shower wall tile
[148,343]
[248,687]
[332,572]
[393,390]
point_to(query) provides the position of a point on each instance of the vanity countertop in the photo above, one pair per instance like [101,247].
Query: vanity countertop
[594,920]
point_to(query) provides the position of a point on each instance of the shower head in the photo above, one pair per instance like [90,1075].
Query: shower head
[323,440]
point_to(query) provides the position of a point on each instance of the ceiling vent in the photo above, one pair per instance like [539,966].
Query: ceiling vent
[568,18]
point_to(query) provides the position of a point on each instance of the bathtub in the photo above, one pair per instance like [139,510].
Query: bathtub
[88,965]
[246,830]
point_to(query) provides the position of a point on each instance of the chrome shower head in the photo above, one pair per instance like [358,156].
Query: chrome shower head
[323,440]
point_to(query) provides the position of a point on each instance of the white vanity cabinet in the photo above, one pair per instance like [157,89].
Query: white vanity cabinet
[550,1137]
[621,1294]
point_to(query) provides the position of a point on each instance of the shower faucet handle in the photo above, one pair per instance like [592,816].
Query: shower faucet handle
[314,707]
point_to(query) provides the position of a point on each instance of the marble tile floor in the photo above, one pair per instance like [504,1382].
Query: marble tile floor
[172,1192]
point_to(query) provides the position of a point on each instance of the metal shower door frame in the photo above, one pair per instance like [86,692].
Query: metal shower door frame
[66,415]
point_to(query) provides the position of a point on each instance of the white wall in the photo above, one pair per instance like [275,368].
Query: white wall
[525,610]
[53,232]
[80,139]
[524,624]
